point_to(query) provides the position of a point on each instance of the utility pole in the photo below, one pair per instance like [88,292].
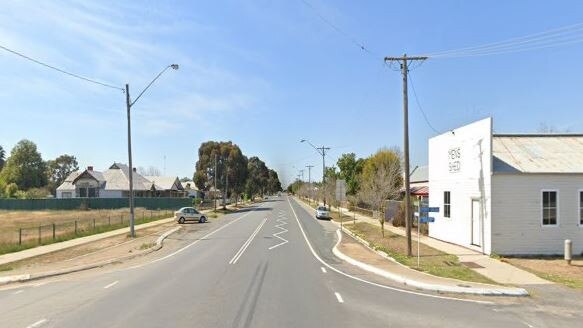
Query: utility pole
[131,168]
[129,104]
[226,187]
[405,71]
[215,183]
[322,151]
[310,180]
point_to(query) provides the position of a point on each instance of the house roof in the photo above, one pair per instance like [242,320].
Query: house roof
[420,174]
[165,182]
[537,153]
[117,178]
[68,185]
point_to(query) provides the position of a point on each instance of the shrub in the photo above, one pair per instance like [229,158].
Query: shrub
[399,219]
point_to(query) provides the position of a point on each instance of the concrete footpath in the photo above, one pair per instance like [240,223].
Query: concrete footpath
[357,251]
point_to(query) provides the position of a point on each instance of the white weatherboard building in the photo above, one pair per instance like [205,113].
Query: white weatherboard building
[507,194]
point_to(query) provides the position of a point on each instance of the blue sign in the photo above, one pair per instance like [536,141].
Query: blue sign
[426,219]
[429,209]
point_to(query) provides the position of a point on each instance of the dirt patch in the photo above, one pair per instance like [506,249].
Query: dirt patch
[101,250]
[553,268]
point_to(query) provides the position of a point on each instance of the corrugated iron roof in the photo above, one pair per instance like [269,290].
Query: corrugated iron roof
[537,153]
[165,182]
[420,174]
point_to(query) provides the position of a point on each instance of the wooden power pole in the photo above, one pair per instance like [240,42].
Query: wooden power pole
[404,70]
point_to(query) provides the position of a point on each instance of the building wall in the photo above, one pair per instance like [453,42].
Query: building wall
[517,215]
[467,177]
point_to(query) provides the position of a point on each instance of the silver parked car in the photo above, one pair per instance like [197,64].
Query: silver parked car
[322,213]
[189,214]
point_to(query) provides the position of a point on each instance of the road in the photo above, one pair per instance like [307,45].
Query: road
[267,266]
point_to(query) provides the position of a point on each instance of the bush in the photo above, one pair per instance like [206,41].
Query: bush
[36,193]
[399,219]
[11,190]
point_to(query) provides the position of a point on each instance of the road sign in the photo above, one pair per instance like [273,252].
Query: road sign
[429,209]
[341,190]
[426,219]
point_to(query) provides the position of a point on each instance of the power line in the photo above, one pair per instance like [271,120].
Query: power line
[419,105]
[338,29]
[551,38]
[60,70]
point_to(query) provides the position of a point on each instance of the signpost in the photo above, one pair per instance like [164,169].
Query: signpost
[340,196]
[424,218]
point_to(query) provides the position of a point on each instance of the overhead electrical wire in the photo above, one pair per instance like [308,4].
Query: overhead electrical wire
[419,105]
[86,79]
[566,35]
[338,29]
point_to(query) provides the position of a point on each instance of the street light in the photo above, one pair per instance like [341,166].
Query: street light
[129,105]
[322,151]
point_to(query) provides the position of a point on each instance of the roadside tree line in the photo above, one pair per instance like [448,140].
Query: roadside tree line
[223,168]
[369,181]
[24,173]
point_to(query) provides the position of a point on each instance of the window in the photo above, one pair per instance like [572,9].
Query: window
[550,207]
[92,192]
[446,204]
[581,207]
[83,192]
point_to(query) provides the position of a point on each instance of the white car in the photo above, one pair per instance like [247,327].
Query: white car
[189,214]
[322,213]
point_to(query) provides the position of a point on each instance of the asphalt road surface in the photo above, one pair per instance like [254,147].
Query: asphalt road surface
[267,266]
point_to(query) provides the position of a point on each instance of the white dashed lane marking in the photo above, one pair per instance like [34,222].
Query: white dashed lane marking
[339,297]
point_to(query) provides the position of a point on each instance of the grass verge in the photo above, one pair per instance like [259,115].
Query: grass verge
[11,248]
[432,261]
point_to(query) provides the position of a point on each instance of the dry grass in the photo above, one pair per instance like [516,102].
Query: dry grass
[13,220]
[552,268]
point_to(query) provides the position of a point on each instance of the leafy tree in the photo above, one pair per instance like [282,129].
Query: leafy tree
[350,170]
[2,157]
[59,169]
[11,190]
[25,166]
[184,179]
[36,193]
[381,178]
[231,165]
[273,183]
[257,178]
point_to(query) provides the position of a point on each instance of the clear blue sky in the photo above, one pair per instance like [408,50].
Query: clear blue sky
[267,73]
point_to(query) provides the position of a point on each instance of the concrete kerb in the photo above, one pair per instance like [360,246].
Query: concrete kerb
[486,291]
[35,276]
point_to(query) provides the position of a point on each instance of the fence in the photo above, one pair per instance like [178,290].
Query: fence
[53,232]
[153,203]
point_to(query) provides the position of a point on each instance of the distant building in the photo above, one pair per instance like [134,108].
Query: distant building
[507,193]
[114,183]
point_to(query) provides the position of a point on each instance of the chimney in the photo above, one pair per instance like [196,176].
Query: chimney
[89,168]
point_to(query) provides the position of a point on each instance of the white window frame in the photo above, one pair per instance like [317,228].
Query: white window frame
[542,208]
[579,208]
[449,204]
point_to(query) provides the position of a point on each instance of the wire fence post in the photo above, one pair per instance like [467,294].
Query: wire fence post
[109,220]
[54,232]
[93,223]
[19,236]
[75,227]
[39,234]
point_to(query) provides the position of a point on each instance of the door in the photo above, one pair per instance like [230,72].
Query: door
[476,223]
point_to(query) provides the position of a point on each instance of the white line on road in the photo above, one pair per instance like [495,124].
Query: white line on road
[18,292]
[323,269]
[193,243]
[283,230]
[37,324]
[247,243]
[528,324]
[339,297]
[366,281]
[111,285]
